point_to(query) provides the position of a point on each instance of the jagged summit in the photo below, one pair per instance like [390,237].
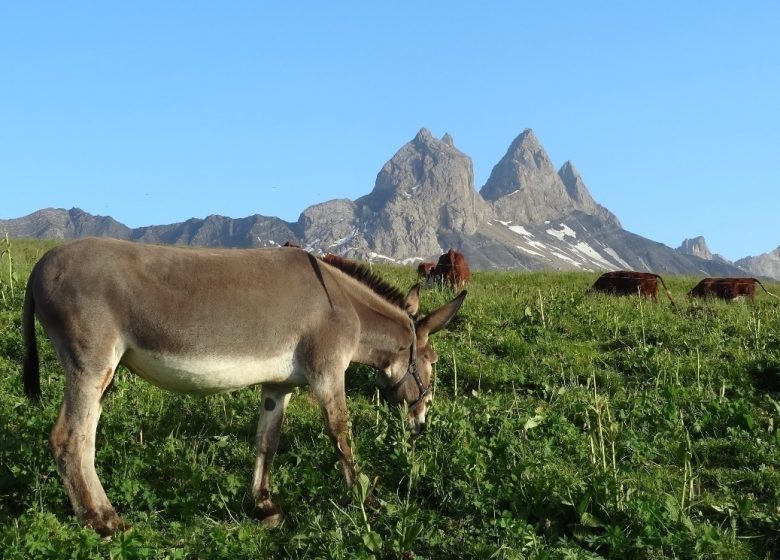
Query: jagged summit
[423,136]
[571,178]
[447,139]
[525,167]
[580,195]
[425,188]
[697,247]
[525,187]
[403,175]
[526,141]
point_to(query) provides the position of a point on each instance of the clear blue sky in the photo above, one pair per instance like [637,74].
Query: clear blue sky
[155,112]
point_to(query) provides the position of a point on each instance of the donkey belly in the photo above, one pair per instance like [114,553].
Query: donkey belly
[211,374]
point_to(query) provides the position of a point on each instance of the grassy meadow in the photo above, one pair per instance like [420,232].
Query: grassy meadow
[563,426]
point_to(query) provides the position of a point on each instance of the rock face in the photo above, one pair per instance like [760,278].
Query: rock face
[766,264]
[525,187]
[696,246]
[220,231]
[580,195]
[332,227]
[52,223]
[426,189]
[528,216]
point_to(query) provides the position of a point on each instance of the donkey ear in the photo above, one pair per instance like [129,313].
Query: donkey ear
[412,301]
[437,320]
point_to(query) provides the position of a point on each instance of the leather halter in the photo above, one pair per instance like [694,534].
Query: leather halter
[410,370]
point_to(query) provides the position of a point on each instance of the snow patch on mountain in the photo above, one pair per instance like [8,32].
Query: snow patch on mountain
[372,256]
[567,259]
[344,240]
[529,251]
[521,230]
[566,231]
[517,229]
[583,247]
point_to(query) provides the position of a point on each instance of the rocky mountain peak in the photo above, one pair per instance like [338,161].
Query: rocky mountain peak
[423,136]
[406,174]
[447,139]
[571,178]
[580,195]
[526,141]
[525,187]
[426,188]
[766,264]
[524,168]
[697,247]
[528,152]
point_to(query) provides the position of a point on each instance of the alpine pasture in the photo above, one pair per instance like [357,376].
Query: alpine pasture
[563,426]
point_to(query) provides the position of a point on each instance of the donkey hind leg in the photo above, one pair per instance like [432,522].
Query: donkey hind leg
[275,399]
[333,403]
[73,443]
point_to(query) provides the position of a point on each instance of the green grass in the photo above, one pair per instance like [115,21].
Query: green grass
[563,426]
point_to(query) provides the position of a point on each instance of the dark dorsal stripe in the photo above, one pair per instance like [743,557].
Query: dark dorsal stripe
[363,274]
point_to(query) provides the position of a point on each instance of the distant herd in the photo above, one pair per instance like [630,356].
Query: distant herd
[453,269]
[625,283]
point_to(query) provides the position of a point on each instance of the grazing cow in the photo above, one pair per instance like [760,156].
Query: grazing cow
[453,269]
[291,244]
[424,270]
[628,282]
[727,288]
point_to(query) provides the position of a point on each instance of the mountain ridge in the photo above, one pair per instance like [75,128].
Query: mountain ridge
[528,215]
[765,264]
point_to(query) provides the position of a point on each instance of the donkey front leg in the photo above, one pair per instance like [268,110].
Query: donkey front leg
[333,403]
[73,443]
[275,399]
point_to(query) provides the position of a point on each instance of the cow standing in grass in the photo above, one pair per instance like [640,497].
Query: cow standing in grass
[425,270]
[628,283]
[728,288]
[452,269]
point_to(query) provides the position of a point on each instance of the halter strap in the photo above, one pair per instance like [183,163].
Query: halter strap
[411,370]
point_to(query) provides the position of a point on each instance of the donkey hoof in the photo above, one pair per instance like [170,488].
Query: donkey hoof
[269,515]
[273,521]
[108,524]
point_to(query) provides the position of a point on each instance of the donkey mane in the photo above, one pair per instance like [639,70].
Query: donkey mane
[364,275]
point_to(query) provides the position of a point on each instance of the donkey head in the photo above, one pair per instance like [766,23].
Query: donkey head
[410,370]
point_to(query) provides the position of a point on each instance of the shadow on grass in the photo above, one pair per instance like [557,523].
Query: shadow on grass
[765,377]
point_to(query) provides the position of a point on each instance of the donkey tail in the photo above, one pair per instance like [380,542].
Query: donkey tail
[668,293]
[31,376]
[763,288]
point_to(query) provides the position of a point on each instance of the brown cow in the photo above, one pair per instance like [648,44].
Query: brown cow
[291,244]
[453,269]
[628,282]
[727,288]
[424,270]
